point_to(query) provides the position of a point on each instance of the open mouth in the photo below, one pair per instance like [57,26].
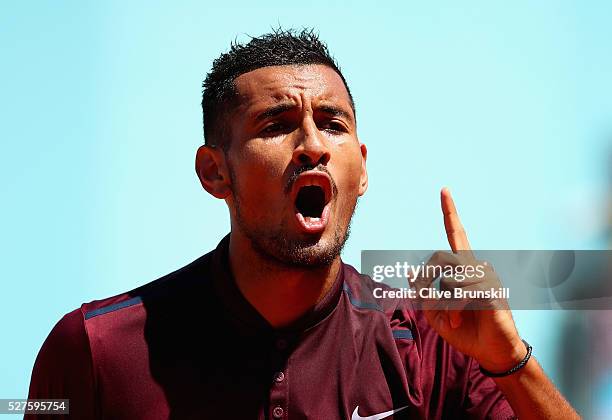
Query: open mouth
[310,201]
[312,192]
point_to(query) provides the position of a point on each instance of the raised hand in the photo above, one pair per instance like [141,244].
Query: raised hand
[483,329]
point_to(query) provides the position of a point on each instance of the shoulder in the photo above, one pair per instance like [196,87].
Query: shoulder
[401,314]
[366,294]
[64,363]
[63,367]
[176,283]
[68,335]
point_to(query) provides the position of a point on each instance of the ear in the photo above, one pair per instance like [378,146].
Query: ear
[211,168]
[363,181]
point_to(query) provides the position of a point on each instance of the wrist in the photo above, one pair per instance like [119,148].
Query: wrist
[506,360]
[504,373]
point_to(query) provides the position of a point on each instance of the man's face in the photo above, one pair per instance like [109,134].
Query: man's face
[296,166]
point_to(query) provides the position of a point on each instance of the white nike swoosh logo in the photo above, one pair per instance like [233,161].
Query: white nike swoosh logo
[378,416]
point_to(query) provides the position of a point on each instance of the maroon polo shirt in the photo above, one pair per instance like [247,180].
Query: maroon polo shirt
[189,345]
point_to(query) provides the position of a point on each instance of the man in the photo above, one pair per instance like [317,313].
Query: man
[272,324]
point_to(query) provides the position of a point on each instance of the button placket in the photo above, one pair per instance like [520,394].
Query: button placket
[279,377]
[279,387]
[278,412]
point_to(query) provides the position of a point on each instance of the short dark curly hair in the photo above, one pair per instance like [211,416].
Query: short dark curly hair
[279,48]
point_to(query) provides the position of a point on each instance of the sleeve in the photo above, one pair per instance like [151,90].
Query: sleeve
[63,369]
[483,399]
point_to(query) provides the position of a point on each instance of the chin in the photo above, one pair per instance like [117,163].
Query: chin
[311,252]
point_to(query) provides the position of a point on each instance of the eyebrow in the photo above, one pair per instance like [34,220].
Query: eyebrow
[274,111]
[335,111]
[280,108]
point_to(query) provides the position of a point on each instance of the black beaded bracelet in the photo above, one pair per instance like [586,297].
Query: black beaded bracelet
[514,369]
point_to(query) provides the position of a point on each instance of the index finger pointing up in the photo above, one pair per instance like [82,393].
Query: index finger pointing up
[455,233]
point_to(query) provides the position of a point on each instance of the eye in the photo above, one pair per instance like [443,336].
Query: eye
[273,128]
[334,127]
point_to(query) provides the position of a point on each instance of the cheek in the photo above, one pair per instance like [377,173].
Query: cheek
[258,176]
[351,172]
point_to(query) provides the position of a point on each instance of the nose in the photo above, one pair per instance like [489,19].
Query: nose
[312,147]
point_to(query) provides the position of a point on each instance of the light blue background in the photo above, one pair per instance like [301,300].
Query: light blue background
[508,105]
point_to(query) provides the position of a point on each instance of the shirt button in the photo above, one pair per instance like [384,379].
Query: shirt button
[281,344]
[278,412]
[279,377]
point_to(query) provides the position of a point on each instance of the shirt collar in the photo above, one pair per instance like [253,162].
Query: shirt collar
[244,315]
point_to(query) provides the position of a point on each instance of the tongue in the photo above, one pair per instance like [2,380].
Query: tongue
[311,224]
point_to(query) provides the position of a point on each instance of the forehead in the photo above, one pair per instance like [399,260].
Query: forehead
[273,84]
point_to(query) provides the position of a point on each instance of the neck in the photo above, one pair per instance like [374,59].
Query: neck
[280,293]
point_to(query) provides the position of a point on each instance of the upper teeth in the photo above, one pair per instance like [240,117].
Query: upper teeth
[313,181]
[316,181]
